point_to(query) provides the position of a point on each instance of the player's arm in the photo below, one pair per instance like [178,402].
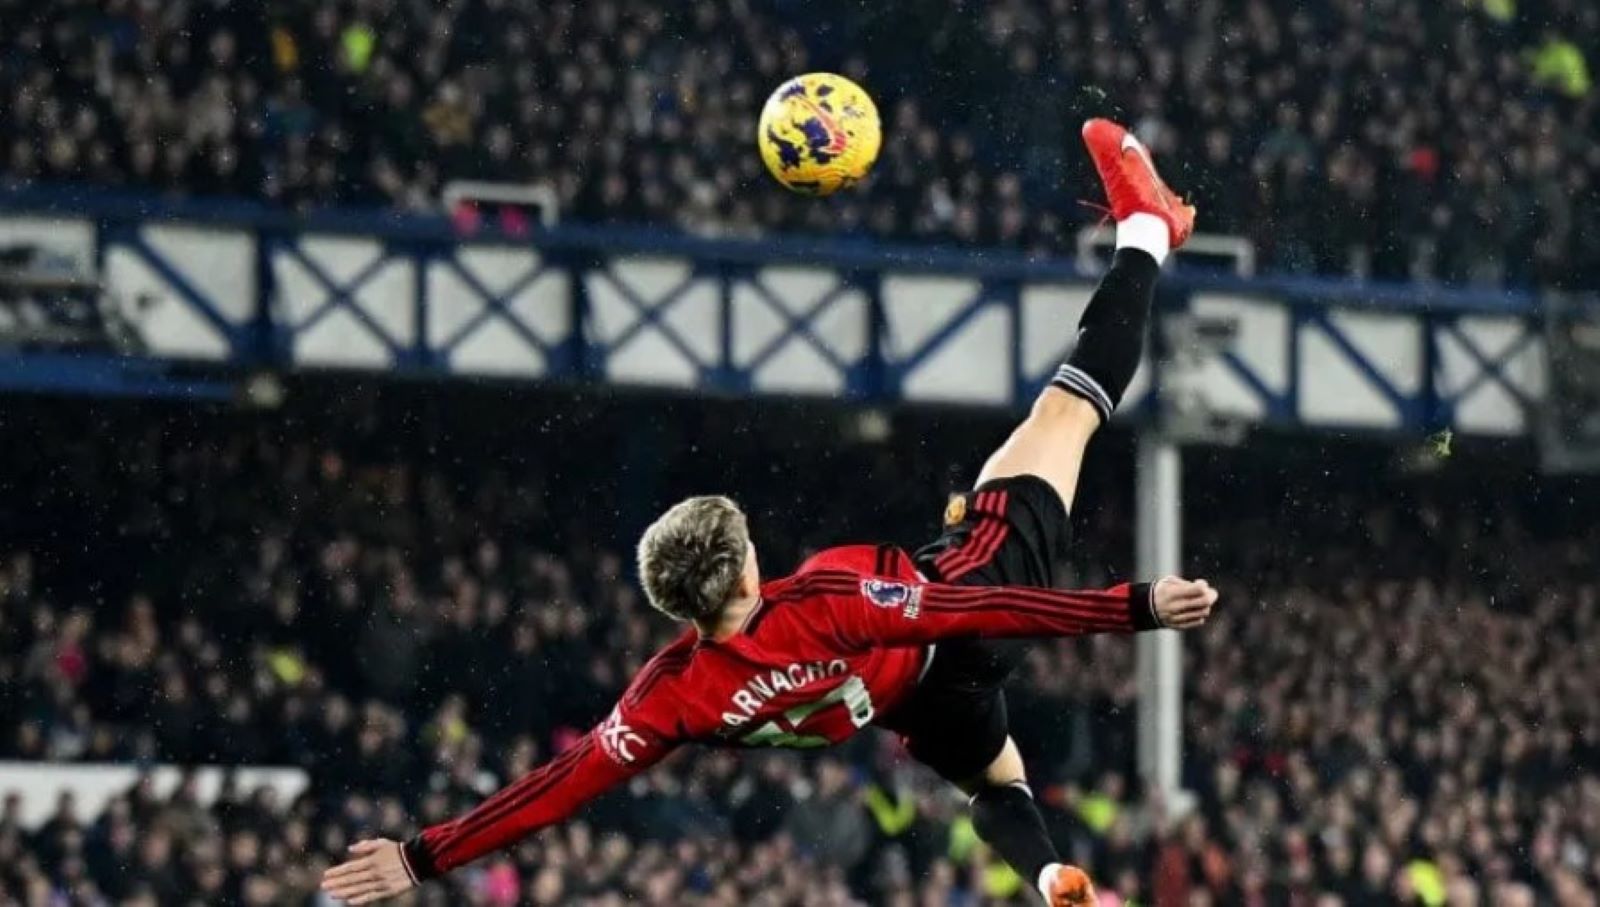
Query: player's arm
[877,612]
[613,752]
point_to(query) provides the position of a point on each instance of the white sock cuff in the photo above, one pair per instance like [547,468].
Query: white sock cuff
[1145,232]
[1046,876]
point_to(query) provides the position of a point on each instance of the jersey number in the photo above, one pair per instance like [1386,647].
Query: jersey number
[852,694]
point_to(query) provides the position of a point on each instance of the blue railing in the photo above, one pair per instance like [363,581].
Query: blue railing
[844,253]
[244,286]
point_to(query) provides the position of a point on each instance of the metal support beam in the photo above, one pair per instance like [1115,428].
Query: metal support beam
[1160,539]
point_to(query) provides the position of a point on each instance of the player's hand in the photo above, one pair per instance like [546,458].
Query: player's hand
[1183,604]
[376,871]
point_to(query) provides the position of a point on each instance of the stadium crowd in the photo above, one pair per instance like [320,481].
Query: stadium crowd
[1399,139]
[1394,707]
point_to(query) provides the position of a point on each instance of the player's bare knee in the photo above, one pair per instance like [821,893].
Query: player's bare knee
[1004,770]
[1007,767]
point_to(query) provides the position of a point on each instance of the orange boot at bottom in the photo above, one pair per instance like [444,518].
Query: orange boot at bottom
[1071,888]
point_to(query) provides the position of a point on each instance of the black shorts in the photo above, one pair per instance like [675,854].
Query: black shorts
[1008,532]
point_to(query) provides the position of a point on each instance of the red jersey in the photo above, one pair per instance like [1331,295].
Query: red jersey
[823,653]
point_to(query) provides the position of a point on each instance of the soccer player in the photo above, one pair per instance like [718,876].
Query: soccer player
[917,643]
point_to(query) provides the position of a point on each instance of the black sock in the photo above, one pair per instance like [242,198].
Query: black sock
[1111,332]
[1008,820]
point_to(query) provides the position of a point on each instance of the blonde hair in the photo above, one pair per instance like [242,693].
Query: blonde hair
[691,557]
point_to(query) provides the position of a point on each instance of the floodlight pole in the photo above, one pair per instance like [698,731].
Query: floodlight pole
[1160,654]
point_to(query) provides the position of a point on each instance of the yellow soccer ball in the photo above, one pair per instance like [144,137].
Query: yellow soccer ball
[819,133]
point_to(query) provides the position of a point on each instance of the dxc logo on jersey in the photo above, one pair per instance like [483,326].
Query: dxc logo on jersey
[618,740]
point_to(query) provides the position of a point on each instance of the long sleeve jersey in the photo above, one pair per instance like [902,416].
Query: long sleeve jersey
[824,653]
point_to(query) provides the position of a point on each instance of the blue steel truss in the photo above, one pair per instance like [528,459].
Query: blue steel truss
[863,322]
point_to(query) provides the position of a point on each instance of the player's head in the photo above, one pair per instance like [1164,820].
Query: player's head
[697,557]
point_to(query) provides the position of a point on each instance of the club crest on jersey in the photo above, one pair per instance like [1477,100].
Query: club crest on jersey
[956,510]
[887,593]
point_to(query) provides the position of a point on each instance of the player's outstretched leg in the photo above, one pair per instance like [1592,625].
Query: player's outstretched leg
[1152,220]
[1050,442]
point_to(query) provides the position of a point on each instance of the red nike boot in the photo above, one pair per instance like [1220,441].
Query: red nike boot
[1070,887]
[1131,181]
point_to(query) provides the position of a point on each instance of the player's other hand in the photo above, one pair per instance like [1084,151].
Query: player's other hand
[1183,604]
[375,871]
